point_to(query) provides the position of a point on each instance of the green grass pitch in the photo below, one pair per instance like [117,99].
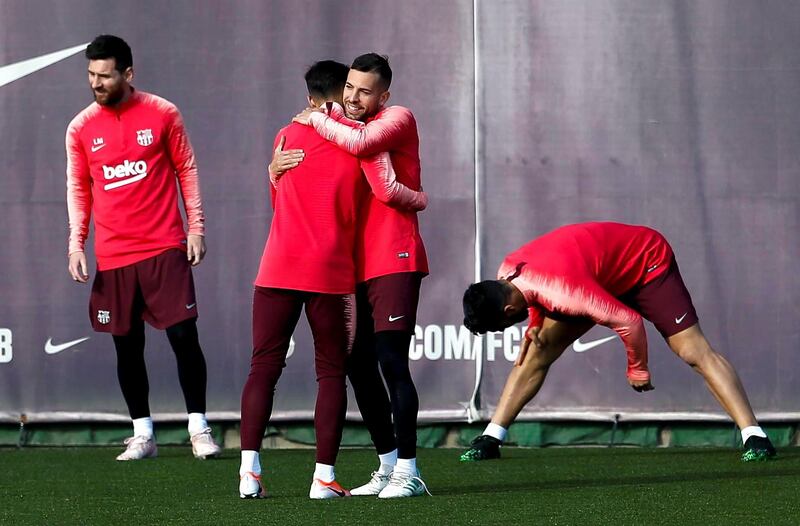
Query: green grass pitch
[615,486]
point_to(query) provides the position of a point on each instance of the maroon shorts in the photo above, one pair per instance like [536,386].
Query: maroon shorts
[665,302]
[391,301]
[159,290]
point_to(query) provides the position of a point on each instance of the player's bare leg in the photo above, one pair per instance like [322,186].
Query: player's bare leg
[722,380]
[720,376]
[524,382]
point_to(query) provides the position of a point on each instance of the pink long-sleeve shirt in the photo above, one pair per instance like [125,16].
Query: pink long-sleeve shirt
[581,270]
[122,165]
[389,241]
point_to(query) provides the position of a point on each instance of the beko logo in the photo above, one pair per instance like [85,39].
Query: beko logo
[129,172]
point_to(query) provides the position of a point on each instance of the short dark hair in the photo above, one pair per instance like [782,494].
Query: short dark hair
[326,78]
[110,46]
[483,306]
[374,63]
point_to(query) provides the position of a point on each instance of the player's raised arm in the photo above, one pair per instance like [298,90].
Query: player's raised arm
[383,181]
[385,133]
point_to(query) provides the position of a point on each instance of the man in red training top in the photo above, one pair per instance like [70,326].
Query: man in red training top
[609,274]
[309,261]
[391,265]
[124,153]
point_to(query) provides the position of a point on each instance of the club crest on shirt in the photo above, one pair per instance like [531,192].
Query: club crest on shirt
[144,137]
[104,316]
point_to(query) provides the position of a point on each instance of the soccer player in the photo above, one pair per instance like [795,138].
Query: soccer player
[391,265]
[125,152]
[609,274]
[309,261]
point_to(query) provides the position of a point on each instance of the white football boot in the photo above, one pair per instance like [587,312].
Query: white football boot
[326,490]
[139,447]
[373,487]
[203,445]
[250,486]
[403,484]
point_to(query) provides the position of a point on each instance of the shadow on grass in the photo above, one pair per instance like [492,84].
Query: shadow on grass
[743,473]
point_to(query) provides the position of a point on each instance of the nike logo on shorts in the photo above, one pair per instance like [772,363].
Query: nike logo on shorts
[395,318]
[679,320]
[190,306]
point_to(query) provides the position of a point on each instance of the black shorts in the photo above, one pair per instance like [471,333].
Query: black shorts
[665,302]
[159,290]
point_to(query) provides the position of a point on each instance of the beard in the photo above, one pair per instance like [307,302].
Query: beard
[108,97]
[359,115]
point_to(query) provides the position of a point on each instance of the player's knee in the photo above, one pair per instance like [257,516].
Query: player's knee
[696,356]
[183,331]
[543,354]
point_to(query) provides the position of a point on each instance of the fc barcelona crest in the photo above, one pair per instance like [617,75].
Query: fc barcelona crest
[144,137]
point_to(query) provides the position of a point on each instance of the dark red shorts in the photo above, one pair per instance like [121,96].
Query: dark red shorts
[665,302]
[391,301]
[158,290]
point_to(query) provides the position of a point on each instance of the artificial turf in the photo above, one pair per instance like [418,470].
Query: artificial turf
[60,486]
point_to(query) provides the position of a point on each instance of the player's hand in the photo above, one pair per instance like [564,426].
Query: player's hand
[195,249]
[531,337]
[283,160]
[304,117]
[78,268]
[640,386]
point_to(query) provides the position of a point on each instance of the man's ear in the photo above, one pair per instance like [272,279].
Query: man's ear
[383,98]
[128,74]
[311,103]
[509,310]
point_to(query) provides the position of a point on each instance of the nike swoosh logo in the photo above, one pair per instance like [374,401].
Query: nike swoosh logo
[11,72]
[50,348]
[679,320]
[190,305]
[579,346]
[96,148]
[111,186]
[395,318]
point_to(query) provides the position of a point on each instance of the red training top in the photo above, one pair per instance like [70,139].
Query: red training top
[121,165]
[581,270]
[389,241]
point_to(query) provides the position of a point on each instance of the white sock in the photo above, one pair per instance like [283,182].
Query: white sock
[406,465]
[197,423]
[752,431]
[388,461]
[250,462]
[143,427]
[324,472]
[498,432]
